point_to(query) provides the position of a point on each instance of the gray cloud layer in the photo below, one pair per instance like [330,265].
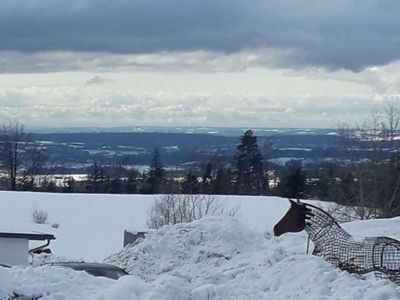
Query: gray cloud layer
[97,105]
[348,34]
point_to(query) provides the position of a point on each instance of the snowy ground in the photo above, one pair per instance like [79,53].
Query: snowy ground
[213,258]
[100,220]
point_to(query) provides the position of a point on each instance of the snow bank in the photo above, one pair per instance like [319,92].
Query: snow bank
[5,283]
[91,226]
[204,242]
[213,258]
[219,258]
[50,283]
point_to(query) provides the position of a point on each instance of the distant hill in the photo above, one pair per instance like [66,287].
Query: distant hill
[80,149]
[225,131]
[141,140]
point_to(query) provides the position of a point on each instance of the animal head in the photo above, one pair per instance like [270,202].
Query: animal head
[294,220]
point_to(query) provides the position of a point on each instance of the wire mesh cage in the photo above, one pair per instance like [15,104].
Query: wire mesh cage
[380,255]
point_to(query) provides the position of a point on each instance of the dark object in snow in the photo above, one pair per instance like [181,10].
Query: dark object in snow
[131,237]
[378,254]
[95,269]
[40,251]
[18,296]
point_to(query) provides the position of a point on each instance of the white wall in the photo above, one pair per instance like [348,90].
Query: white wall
[14,251]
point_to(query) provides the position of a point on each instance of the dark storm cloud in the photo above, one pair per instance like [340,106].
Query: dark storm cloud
[349,34]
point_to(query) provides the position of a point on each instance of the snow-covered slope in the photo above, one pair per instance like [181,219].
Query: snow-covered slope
[214,258]
[219,258]
[91,226]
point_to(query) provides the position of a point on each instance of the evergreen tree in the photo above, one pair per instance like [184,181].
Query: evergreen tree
[97,180]
[249,175]
[207,179]
[156,174]
[190,185]
[222,185]
[68,185]
[131,182]
[115,186]
[292,183]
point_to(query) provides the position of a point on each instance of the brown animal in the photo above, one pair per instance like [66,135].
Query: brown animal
[294,220]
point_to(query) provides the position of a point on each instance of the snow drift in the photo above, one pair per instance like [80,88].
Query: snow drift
[219,258]
[213,258]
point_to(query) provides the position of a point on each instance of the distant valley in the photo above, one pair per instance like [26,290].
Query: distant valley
[71,151]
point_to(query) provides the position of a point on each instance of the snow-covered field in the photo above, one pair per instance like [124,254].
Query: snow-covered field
[213,258]
[91,226]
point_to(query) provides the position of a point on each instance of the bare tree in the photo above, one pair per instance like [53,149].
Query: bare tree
[177,208]
[347,138]
[370,187]
[21,159]
[34,174]
[392,116]
[13,142]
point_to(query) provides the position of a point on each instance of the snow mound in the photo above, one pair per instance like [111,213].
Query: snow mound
[49,283]
[214,258]
[209,243]
[219,258]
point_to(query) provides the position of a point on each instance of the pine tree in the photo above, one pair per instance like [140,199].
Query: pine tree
[249,175]
[207,179]
[97,180]
[222,184]
[131,182]
[190,185]
[115,186]
[156,174]
[293,182]
[69,185]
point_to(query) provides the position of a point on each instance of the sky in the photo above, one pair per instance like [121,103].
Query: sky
[242,63]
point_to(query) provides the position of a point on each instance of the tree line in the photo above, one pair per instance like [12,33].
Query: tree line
[370,185]
[24,165]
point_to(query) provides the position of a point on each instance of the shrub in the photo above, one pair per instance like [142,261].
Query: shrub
[39,216]
[176,208]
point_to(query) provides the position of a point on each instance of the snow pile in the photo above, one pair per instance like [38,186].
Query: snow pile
[91,226]
[213,258]
[5,283]
[207,243]
[219,258]
[50,283]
